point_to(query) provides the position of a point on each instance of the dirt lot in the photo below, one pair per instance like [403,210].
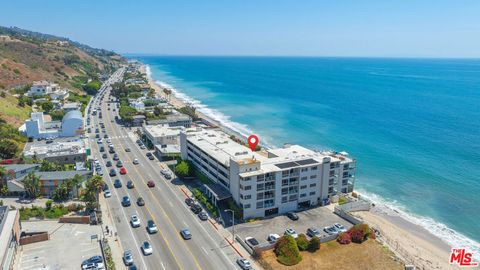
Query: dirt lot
[368,255]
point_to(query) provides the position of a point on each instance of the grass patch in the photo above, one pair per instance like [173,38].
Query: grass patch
[11,112]
[54,212]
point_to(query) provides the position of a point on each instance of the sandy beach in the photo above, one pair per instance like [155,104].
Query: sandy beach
[410,242]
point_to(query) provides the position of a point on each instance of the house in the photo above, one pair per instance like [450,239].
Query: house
[38,128]
[39,88]
[49,181]
[60,94]
[18,170]
[138,120]
[173,120]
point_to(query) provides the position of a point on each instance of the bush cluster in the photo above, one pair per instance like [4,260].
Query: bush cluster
[287,251]
[314,244]
[51,212]
[302,242]
[356,234]
[210,207]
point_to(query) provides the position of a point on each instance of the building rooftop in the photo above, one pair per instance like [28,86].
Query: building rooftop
[71,105]
[163,130]
[75,114]
[57,148]
[19,167]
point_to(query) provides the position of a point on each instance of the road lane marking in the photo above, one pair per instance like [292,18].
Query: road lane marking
[204,250]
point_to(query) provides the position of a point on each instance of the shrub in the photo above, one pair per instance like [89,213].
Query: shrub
[48,204]
[314,244]
[344,238]
[356,236]
[287,251]
[302,242]
[359,233]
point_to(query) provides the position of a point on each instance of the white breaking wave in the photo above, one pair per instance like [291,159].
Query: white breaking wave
[453,238]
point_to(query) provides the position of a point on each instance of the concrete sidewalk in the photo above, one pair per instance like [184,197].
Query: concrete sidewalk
[113,239]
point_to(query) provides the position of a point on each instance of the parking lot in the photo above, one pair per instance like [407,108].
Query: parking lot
[68,246]
[318,218]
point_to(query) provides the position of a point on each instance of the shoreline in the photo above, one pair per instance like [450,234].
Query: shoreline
[412,242]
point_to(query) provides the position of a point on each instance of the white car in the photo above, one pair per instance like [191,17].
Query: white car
[147,248]
[273,237]
[93,266]
[135,161]
[135,221]
[291,232]
[107,194]
[339,227]
[244,264]
[330,230]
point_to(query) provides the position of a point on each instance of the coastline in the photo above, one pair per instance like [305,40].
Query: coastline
[411,242]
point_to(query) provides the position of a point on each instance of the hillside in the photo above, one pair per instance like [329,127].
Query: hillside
[27,56]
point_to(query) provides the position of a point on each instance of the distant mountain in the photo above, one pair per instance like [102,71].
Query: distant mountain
[26,56]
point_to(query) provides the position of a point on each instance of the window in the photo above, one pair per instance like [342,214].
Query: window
[248,187]
[284,199]
[304,178]
[284,182]
[284,191]
[303,187]
[241,196]
[246,206]
[260,196]
[314,168]
[246,197]
[304,169]
[259,205]
[312,193]
[313,176]
[313,185]
[292,197]
[303,195]
[246,179]
[260,187]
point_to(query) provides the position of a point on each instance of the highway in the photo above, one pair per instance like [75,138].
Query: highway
[164,204]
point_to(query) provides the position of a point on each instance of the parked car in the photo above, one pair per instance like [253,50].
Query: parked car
[186,234]
[151,157]
[252,242]
[126,201]
[291,232]
[166,174]
[127,258]
[339,227]
[140,201]
[196,208]
[93,259]
[127,149]
[273,238]
[143,146]
[135,221]
[119,164]
[189,201]
[108,164]
[135,161]
[203,216]
[132,267]
[151,227]
[123,170]
[107,194]
[130,184]
[244,264]
[151,184]
[112,172]
[330,230]
[147,248]
[117,183]
[292,216]
[313,232]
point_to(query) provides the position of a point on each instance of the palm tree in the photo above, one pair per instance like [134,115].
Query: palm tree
[31,182]
[93,187]
[74,183]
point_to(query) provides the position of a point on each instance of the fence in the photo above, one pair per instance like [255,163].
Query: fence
[359,205]
[33,237]
[345,215]
[75,219]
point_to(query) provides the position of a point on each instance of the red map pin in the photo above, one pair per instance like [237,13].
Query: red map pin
[252,141]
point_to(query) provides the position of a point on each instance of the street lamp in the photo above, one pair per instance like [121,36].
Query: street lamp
[233,223]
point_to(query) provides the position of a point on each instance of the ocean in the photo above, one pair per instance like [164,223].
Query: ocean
[412,124]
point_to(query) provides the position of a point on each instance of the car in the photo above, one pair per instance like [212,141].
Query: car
[119,164]
[330,230]
[291,232]
[196,208]
[339,227]
[292,216]
[99,141]
[127,149]
[117,183]
[166,174]
[105,187]
[108,164]
[97,136]
[140,201]
[151,184]
[107,194]
[203,216]
[126,201]
[111,150]
[132,267]
[151,227]
[313,232]
[104,155]
[135,161]
[115,157]
[130,184]
[108,140]
[127,257]
[105,136]
[244,264]
[123,170]
[93,259]
[147,248]
[135,221]
[252,242]
[102,149]
[112,172]
[186,234]
[93,266]
[100,172]
[151,157]
[189,201]
[273,238]
[143,146]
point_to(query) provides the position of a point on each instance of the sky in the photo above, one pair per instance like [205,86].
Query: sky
[362,28]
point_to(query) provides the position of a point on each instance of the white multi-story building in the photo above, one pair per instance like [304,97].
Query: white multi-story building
[272,181]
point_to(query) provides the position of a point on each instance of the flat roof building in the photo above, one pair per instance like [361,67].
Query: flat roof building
[60,151]
[270,181]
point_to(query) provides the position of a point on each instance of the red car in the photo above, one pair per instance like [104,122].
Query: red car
[123,170]
[151,184]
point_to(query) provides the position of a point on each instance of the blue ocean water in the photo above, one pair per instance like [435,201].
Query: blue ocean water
[412,124]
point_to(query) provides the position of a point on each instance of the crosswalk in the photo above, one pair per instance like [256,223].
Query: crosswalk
[131,136]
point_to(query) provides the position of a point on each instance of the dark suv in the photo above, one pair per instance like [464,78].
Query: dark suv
[196,208]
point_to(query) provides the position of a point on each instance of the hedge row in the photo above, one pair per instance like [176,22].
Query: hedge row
[201,197]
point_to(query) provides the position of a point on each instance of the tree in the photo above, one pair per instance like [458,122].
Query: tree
[57,115]
[92,188]
[157,111]
[31,183]
[190,111]
[48,166]
[314,244]
[167,92]
[302,242]
[92,87]
[182,169]
[47,106]
[8,148]
[287,251]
